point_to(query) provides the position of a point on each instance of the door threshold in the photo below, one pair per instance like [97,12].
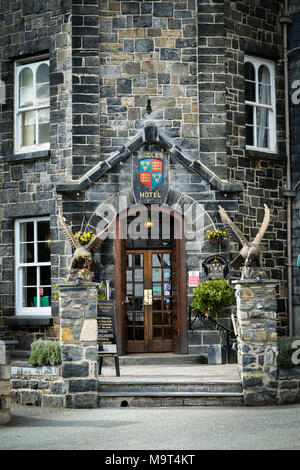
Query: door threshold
[150,354]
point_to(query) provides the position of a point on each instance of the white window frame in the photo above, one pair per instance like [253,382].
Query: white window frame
[20,310]
[19,66]
[257,62]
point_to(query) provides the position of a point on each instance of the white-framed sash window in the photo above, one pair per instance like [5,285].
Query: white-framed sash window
[32,106]
[260,107]
[33,266]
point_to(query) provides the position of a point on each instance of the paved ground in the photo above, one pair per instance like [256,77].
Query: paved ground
[195,428]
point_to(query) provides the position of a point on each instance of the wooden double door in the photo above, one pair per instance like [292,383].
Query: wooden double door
[150,304]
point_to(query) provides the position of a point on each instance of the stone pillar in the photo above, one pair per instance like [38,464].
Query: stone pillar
[78,334]
[5,387]
[257,340]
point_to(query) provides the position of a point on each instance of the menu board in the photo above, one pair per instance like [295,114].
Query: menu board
[107,338]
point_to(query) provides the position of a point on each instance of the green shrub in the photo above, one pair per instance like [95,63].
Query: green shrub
[45,353]
[213,296]
[285,351]
[100,288]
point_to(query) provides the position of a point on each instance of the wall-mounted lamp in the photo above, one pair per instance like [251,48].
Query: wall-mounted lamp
[149,223]
[48,241]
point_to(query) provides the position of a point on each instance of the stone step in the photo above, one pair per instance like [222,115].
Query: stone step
[156,359]
[156,399]
[168,387]
[168,391]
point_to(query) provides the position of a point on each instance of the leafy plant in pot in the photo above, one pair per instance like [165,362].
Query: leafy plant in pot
[211,297]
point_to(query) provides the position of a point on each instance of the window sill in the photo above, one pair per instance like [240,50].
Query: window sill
[19,157]
[264,155]
[30,320]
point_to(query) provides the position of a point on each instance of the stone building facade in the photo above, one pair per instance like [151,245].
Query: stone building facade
[294,84]
[130,81]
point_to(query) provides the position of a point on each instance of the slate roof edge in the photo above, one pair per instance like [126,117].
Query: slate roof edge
[150,133]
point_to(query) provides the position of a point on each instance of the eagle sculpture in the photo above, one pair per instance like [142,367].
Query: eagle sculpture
[82,260]
[250,250]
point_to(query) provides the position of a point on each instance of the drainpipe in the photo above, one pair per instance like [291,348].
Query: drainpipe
[285,20]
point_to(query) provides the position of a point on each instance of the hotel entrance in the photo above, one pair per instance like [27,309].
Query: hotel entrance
[150,288]
[150,306]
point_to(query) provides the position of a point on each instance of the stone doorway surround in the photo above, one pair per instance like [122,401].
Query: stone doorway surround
[86,194]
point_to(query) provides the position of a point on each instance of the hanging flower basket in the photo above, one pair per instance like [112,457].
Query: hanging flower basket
[215,237]
[215,241]
[84,237]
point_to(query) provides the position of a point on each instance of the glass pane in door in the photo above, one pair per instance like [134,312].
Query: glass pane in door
[135,297]
[162,320]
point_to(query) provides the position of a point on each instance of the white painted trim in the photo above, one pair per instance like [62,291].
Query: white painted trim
[20,310]
[19,66]
[257,62]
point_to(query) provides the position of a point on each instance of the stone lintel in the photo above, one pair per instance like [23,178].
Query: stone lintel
[148,134]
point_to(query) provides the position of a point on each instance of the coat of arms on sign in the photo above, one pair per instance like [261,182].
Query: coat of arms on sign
[151,172]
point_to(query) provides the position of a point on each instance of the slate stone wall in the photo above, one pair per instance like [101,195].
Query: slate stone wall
[38,386]
[78,336]
[148,50]
[253,28]
[263,382]
[85,89]
[257,341]
[28,29]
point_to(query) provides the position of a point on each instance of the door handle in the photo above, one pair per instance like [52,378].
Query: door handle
[126,301]
[148,296]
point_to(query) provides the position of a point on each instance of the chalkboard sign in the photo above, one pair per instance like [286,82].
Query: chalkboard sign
[107,338]
[107,335]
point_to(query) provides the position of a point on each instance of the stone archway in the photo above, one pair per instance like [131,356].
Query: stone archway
[193,212]
[194,222]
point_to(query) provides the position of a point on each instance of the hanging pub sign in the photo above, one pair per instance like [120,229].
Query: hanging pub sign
[107,335]
[214,267]
[150,177]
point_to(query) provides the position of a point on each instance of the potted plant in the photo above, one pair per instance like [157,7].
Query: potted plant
[215,237]
[212,296]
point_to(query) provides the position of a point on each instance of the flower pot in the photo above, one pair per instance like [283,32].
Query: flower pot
[216,241]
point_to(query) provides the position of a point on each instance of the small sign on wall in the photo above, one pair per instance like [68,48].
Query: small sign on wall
[194,277]
[215,267]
